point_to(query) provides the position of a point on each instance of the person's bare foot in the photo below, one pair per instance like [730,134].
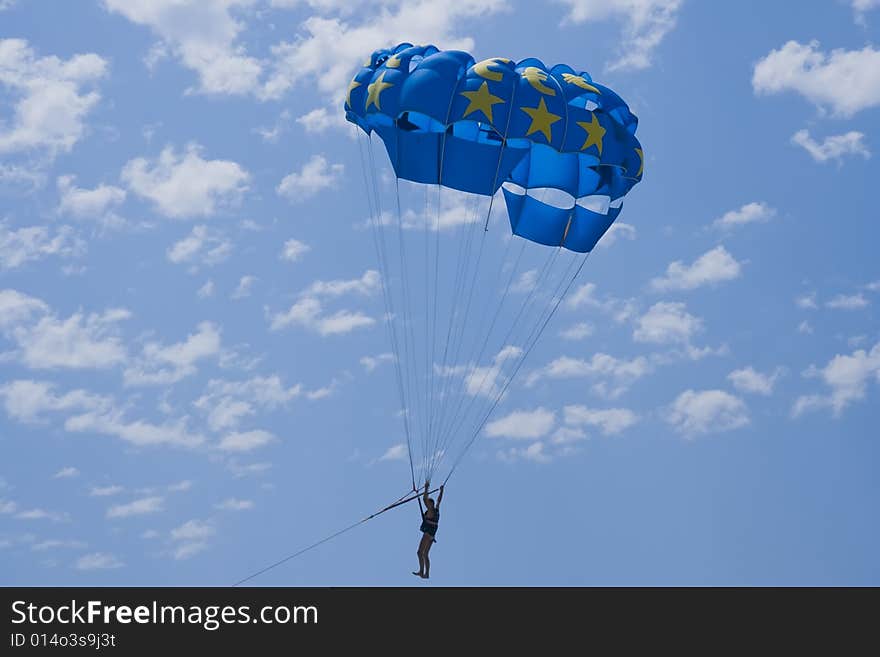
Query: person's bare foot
[424,576]
[417,573]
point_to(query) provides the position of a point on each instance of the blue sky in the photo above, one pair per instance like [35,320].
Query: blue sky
[195,378]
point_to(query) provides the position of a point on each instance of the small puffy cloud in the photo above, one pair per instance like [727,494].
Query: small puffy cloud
[293,250]
[98,561]
[139,507]
[667,322]
[834,147]
[535,452]
[55,544]
[193,530]
[233,504]
[848,302]
[847,377]
[137,432]
[245,441]
[226,403]
[710,268]
[244,287]
[105,491]
[90,204]
[315,175]
[26,400]
[579,331]
[185,185]
[613,375]
[750,213]
[166,364]
[805,327]
[204,37]
[17,308]
[522,424]
[309,313]
[41,514]
[22,245]
[78,342]
[525,282]
[366,285]
[620,310]
[180,486]
[50,96]
[610,421]
[66,473]
[846,81]
[370,363]
[807,302]
[321,119]
[645,24]
[748,379]
[618,231]
[206,291]
[707,411]
[202,246]
[395,453]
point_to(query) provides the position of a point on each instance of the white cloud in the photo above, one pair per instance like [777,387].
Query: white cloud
[807,301]
[294,250]
[66,473]
[203,35]
[105,491]
[395,453]
[667,322]
[51,103]
[366,285]
[754,212]
[25,400]
[618,231]
[180,486]
[245,441]
[620,310]
[163,365]
[271,135]
[645,24]
[705,411]
[139,507]
[848,302]
[611,421]
[233,504]
[847,376]
[193,530]
[186,185]
[579,331]
[523,424]
[614,375]
[54,543]
[834,147]
[534,452]
[710,268]
[91,204]
[98,561]
[525,282]
[202,246]
[137,432]
[16,308]
[30,243]
[78,342]
[189,549]
[309,313]
[847,81]
[748,379]
[7,506]
[328,49]
[227,402]
[41,514]
[370,363]
[486,380]
[244,287]
[805,328]
[322,119]
[206,291]
[315,175]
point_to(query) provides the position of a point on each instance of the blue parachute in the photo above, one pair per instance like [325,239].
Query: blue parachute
[562,146]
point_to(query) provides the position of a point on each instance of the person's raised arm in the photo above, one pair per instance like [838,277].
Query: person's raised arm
[440,496]
[425,495]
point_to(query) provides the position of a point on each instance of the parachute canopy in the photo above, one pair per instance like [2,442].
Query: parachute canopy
[562,146]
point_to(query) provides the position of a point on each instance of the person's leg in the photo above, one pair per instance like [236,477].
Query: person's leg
[427,561]
[421,555]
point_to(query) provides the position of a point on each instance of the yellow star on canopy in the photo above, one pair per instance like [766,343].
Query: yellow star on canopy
[641,161]
[542,120]
[578,81]
[376,88]
[481,100]
[351,87]
[393,62]
[595,133]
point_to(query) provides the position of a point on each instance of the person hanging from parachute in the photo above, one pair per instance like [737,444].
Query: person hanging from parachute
[430,522]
